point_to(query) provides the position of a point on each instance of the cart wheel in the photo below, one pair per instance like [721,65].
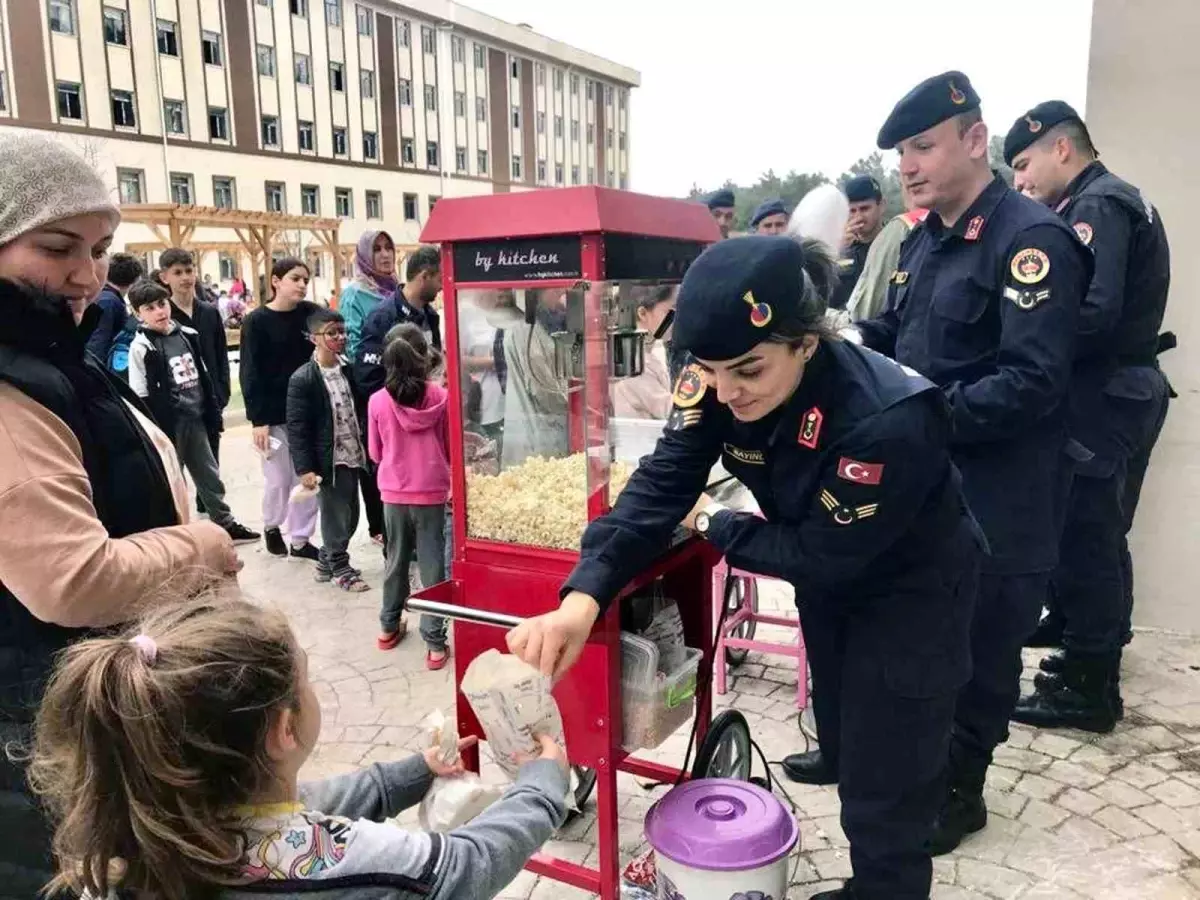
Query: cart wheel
[725,751]
[585,783]
[744,589]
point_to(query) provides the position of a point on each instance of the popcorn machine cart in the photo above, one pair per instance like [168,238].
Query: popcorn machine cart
[541,290]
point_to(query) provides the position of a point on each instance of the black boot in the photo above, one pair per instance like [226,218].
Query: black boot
[1050,679]
[845,892]
[809,768]
[1049,632]
[1054,663]
[963,811]
[1081,697]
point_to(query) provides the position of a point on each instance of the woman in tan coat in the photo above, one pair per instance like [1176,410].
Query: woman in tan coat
[648,396]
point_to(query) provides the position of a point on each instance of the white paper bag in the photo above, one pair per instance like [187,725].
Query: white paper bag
[452,802]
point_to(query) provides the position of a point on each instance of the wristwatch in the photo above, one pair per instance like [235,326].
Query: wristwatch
[704,518]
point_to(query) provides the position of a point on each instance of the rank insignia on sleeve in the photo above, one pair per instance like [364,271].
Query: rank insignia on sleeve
[844,515]
[859,472]
[1030,266]
[684,418]
[1026,300]
[810,428]
[690,388]
[1084,232]
[974,229]
[899,277]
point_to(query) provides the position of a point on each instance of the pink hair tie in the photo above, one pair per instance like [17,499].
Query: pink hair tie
[146,647]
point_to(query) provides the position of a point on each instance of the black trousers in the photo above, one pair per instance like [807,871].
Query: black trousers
[26,863]
[1089,584]
[1134,478]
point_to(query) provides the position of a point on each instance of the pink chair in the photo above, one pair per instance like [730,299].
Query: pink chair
[737,634]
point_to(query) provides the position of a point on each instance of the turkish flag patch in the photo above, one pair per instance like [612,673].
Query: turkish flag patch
[859,472]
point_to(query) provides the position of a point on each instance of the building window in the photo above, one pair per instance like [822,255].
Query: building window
[621,96]
[306,135]
[574,174]
[427,40]
[333,13]
[276,199]
[539,73]
[224,196]
[558,173]
[591,175]
[374,205]
[174,117]
[303,65]
[266,61]
[168,38]
[129,185]
[62,16]
[458,49]
[558,128]
[181,189]
[480,53]
[270,131]
[516,167]
[515,66]
[558,79]
[339,142]
[343,202]
[298,7]
[114,26]
[574,129]
[431,154]
[122,109]
[264,2]
[591,89]
[366,83]
[608,138]
[433,202]
[574,85]
[370,145]
[591,133]
[210,43]
[541,123]
[226,267]
[611,182]
[608,95]
[70,101]
[408,152]
[460,103]
[337,76]
[621,141]
[218,123]
[403,33]
[480,109]
[541,171]
[460,159]
[624,182]
[310,200]
[365,20]
[481,162]
[516,116]
[405,92]
[410,207]
[430,98]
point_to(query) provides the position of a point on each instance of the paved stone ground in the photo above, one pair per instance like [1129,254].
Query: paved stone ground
[1072,815]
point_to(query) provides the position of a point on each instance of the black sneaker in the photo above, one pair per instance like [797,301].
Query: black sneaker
[305,551]
[241,534]
[274,541]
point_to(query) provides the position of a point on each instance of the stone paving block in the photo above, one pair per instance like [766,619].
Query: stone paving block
[1122,794]
[547,889]
[1002,778]
[1073,774]
[1039,788]
[1123,823]
[1039,814]
[954,892]
[1175,793]
[831,864]
[1162,817]
[1097,759]
[1082,803]
[992,880]
[802,872]
[830,827]
[1004,803]
[1140,775]
[520,887]
[1086,833]
[1054,745]
[1025,760]
[1020,736]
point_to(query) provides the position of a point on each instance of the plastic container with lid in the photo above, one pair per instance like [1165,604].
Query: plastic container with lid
[654,704]
[719,839]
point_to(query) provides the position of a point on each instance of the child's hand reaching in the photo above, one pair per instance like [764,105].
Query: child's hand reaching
[441,769]
[550,749]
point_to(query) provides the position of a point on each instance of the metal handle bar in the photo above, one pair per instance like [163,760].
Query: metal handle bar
[463,613]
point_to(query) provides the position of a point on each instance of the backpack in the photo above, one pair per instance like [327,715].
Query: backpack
[118,353]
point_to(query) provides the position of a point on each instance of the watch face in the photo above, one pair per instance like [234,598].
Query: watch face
[702,521]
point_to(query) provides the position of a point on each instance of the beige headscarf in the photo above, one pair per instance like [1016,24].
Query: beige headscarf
[43,181]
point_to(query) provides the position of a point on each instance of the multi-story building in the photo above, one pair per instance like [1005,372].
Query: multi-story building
[368,110]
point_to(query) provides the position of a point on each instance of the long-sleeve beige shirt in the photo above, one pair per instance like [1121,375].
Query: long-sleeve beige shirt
[56,556]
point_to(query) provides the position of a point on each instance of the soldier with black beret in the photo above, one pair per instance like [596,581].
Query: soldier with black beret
[1119,400]
[720,205]
[866,221]
[985,303]
[770,217]
[847,454]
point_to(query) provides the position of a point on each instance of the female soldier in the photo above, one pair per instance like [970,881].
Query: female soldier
[846,453]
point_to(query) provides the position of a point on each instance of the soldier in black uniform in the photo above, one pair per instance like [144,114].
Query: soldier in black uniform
[1118,403]
[866,221]
[720,207]
[770,217]
[846,453]
[985,303]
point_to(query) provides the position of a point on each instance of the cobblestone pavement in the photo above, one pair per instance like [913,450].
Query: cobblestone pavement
[1072,815]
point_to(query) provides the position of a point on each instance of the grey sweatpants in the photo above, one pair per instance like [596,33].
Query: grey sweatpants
[409,529]
[195,455]
[338,503]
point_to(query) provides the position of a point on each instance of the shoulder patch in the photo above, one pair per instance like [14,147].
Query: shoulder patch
[1030,266]
[1084,232]
[810,428]
[690,387]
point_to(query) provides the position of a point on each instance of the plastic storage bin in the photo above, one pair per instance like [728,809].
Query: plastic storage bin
[654,705]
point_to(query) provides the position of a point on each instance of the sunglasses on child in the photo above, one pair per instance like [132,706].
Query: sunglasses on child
[332,333]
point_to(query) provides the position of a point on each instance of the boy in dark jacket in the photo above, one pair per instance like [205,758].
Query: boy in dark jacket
[324,415]
[123,271]
[167,370]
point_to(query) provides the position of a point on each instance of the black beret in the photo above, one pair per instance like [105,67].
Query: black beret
[737,293]
[862,187]
[930,103]
[720,199]
[1036,123]
[767,208]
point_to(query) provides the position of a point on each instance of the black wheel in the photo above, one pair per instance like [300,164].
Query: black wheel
[585,783]
[743,589]
[725,750]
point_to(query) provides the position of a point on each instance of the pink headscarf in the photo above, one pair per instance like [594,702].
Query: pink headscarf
[364,263]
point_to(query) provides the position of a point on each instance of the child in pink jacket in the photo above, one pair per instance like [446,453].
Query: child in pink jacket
[407,437]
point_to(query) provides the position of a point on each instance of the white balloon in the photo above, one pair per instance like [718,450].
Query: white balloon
[821,214]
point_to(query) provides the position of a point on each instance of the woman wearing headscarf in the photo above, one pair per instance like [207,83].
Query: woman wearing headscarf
[94,513]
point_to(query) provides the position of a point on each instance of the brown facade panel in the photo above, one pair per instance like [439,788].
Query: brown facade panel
[601,131]
[241,73]
[389,108]
[28,72]
[528,118]
[501,121]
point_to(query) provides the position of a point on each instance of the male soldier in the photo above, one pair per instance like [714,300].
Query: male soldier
[985,303]
[1118,403]
[863,226]
[771,217]
[870,292]
[720,206]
